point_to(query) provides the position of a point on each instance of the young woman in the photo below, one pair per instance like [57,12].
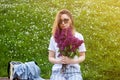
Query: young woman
[64,20]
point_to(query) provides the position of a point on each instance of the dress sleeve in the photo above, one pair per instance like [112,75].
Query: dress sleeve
[82,48]
[51,44]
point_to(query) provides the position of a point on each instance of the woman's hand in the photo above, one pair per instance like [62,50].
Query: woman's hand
[66,60]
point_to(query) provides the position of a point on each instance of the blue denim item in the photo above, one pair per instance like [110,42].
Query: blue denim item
[27,71]
[71,73]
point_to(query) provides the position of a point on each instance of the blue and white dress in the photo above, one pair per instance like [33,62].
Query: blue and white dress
[72,71]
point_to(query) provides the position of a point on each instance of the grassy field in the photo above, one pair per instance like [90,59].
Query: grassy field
[25,30]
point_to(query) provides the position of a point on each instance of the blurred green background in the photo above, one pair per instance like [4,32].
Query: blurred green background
[25,30]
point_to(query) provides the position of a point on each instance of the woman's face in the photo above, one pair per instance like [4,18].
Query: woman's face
[65,21]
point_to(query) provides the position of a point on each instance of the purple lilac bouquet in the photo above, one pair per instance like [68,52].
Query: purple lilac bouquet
[67,43]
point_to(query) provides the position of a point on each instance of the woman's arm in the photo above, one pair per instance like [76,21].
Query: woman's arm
[52,59]
[80,59]
[65,59]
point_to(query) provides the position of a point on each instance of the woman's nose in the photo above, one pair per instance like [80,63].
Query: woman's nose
[63,22]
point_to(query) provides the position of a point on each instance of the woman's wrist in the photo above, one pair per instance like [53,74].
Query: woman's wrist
[74,61]
[78,60]
[57,61]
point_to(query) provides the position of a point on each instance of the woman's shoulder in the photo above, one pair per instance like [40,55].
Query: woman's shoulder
[52,38]
[78,35]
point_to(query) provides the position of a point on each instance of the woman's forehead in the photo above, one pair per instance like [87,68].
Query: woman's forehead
[64,16]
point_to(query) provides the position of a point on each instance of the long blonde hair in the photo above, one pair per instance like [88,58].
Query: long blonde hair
[57,20]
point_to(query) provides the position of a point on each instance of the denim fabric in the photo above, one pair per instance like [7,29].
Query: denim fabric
[71,73]
[20,71]
[27,71]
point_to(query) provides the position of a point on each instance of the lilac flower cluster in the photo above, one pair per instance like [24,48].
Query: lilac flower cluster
[67,44]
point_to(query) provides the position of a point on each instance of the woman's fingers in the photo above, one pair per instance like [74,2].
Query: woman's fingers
[65,60]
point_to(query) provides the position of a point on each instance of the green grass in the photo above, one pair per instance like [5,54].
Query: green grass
[25,30]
